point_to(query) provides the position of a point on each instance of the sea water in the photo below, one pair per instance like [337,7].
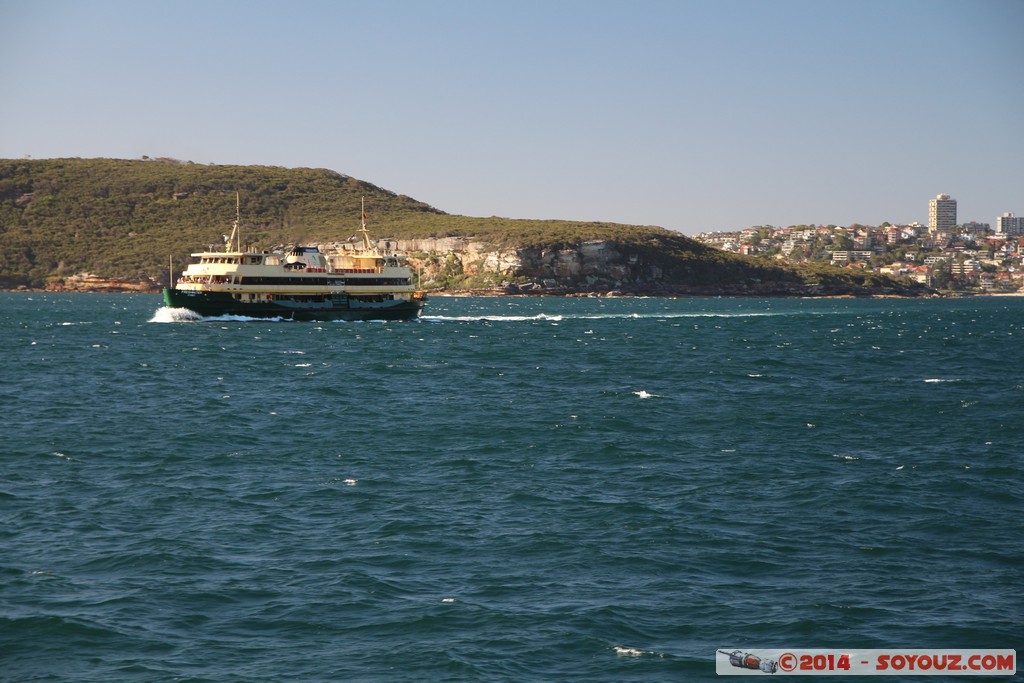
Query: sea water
[508,489]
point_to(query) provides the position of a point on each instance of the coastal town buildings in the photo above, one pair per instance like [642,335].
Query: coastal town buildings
[968,257]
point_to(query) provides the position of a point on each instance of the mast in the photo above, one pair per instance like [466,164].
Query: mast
[366,233]
[237,230]
[235,240]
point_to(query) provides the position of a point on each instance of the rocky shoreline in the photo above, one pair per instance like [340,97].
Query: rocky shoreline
[596,268]
[86,284]
[89,283]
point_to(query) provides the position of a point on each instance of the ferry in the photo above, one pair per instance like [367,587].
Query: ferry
[356,282]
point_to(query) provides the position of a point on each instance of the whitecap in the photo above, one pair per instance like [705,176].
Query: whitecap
[245,318]
[166,314]
[634,652]
[645,394]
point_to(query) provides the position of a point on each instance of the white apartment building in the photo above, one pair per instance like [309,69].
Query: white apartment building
[941,213]
[1009,225]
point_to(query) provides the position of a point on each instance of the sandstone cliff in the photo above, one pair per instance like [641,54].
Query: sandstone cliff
[610,267]
[589,266]
[87,282]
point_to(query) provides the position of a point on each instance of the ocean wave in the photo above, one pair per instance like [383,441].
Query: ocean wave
[495,318]
[635,652]
[167,314]
[466,500]
[599,316]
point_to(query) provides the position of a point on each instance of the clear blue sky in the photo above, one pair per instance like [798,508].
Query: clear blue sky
[692,115]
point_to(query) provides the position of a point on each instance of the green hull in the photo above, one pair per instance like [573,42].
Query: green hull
[216,304]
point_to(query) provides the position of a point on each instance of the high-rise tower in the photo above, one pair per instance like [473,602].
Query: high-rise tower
[941,213]
[1009,225]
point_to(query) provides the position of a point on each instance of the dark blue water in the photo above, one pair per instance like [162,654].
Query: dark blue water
[507,490]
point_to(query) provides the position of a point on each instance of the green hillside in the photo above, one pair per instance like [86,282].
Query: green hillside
[124,218]
[121,218]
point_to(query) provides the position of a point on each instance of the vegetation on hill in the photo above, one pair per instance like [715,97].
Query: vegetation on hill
[124,218]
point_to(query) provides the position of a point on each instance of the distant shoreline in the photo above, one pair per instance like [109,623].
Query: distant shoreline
[579,295]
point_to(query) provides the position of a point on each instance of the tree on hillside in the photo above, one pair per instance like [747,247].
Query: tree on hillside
[942,275]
